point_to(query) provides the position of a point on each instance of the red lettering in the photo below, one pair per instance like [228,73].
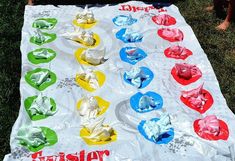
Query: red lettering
[133,8]
[147,9]
[139,8]
[72,157]
[92,156]
[125,8]
[50,158]
[82,155]
[102,153]
[38,155]
[162,10]
[61,154]
[35,155]
[47,158]
[41,158]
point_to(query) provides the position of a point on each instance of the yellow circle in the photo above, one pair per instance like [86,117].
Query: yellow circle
[84,133]
[85,85]
[103,105]
[97,41]
[78,54]
[84,25]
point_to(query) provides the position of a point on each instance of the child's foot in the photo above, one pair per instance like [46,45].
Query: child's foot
[209,8]
[223,26]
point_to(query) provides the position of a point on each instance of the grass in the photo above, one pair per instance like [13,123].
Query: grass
[219,47]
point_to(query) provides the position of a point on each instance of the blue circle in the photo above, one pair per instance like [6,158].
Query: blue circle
[124,57]
[145,82]
[163,139]
[124,16]
[134,101]
[120,33]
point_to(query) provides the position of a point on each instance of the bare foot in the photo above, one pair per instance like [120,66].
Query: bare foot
[223,26]
[209,8]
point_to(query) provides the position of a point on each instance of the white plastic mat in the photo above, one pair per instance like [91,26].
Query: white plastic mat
[129,145]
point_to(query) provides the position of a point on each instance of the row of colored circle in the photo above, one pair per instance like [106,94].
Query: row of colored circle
[38,56]
[174,35]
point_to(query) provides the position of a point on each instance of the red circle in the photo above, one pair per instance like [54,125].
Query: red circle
[170,38]
[223,134]
[182,80]
[168,54]
[171,20]
[206,106]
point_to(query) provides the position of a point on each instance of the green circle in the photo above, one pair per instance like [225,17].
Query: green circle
[34,40]
[52,21]
[35,60]
[28,102]
[51,138]
[44,85]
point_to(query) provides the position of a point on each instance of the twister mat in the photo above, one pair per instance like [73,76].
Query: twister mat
[127,82]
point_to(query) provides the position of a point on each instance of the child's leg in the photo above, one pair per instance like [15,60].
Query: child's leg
[230,13]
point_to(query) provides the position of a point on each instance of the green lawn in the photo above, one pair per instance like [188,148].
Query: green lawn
[219,47]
